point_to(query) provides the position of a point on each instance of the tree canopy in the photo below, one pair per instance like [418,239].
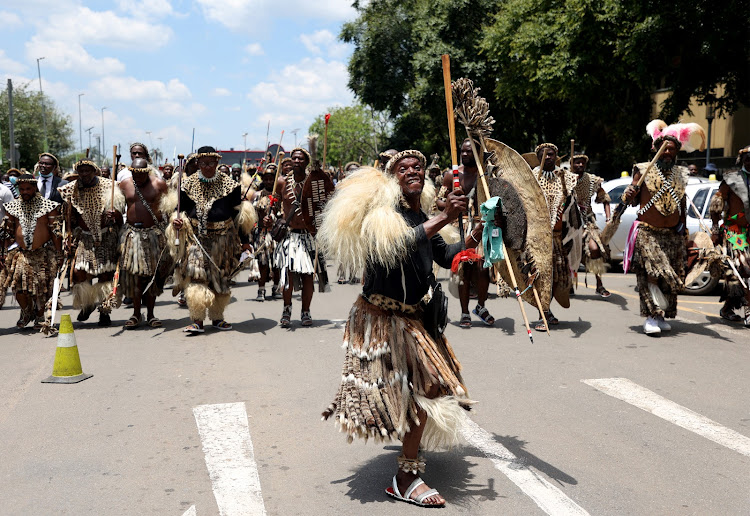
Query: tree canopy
[552,69]
[28,126]
[355,133]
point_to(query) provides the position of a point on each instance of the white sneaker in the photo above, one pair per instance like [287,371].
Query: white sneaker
[663,325]
[651,327]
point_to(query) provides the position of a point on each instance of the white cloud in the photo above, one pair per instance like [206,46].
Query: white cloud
[221,92]
[9,66]
[63,55]
[254,49]
[10,20]
[84,26]
[130,88]
[153,7]
[324,42]
[301,91]
[241,14]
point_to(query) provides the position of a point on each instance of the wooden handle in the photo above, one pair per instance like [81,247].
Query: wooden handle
[114,176]
[653,162]
[572,151]
[446,59]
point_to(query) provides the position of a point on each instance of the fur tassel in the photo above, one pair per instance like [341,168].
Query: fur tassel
[84,295]
[595,266]
[216,309]
[120,204]
[717,205]
[199,298]
[185,235]
[168,202]
[246,217]
[361,223]
[445,418]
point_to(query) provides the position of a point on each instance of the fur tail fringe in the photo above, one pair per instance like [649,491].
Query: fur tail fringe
[445,418]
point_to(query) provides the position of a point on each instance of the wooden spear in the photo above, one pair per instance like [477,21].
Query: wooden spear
[446,60]
[181,159]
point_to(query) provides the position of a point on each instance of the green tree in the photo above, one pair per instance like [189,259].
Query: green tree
[552,69]
[355,133]
[28,125]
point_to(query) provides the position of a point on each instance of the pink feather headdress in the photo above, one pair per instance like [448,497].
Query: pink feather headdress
[679,133]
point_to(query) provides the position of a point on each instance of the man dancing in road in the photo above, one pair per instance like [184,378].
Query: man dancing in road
[32,222]
[144,259]
[95,240]
[732,204]
[596,253]
[401,379]
[659,252]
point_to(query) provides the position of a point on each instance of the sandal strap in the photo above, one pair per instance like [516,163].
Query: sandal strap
[430,492]
[409,490]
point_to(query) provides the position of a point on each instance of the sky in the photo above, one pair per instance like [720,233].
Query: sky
[163,67]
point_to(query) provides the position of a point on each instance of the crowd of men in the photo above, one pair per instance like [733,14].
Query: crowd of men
[124,238]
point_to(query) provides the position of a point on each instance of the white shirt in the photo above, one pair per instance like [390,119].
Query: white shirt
[5,196]
[39,183]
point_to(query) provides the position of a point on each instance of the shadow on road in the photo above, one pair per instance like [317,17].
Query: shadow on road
[527,459]
[578,327]
[448,472]
[680,328]
[614,299]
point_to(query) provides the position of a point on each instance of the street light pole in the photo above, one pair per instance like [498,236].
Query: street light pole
[160,138]
[80,127]
[710,112]
[102,140]
[295,136]
[41,93]
[150,140]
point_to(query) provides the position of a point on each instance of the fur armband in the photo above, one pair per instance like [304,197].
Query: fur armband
[246,217]
[717,205]
[168,203]
[120,204]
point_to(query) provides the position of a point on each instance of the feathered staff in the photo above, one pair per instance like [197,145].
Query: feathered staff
[609,230]
[473,112]
[325,140]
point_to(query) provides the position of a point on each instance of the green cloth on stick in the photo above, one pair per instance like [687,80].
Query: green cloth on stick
[492,236]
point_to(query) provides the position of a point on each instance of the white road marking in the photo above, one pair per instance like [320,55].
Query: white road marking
[230,459]
[630,392]
[548,497]
[190,512]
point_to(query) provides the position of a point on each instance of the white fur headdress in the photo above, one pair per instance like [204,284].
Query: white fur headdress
[679,133]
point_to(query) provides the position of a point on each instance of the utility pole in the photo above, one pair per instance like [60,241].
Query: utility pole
[102,140]
[150,140]
[160,138]
[12,147]
[295,136]
[80,127]
[99,144]
[44,114]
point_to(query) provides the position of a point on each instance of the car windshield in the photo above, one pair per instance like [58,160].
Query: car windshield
[700,201]
[616,194]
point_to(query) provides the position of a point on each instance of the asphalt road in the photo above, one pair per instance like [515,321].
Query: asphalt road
[140,436]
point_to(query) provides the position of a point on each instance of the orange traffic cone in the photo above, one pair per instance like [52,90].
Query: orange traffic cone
[67,367]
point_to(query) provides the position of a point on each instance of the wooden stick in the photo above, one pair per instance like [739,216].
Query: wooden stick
[278,167]
[511,273]
[325,141]
[446,60]
[116,159]
[181,159]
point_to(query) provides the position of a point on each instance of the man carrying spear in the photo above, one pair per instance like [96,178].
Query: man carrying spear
[473,273]
[657,239]
[93,214]
[732,204]
[266,206]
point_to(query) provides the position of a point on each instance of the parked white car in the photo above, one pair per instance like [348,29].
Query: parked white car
[699,189]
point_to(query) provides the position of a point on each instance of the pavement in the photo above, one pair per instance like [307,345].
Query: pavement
[596,418]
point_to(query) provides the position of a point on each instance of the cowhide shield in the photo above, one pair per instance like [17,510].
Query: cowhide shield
[318,188]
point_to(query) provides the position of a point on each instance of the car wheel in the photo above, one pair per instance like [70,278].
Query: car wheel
[702,285]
